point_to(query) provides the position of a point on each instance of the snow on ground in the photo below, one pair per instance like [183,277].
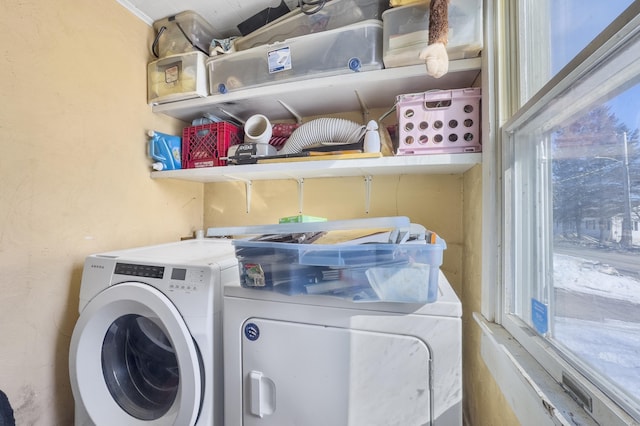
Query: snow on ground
[611,347]
[584,276]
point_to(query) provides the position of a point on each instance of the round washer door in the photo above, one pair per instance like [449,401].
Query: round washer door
[133,361]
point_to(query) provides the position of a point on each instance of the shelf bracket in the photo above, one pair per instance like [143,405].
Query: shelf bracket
[367,193]
[292,112]
[248,187]
[363,108]
[232,116]
[386,114]
[300,194]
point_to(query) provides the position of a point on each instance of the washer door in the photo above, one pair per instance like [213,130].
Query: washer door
[133,361]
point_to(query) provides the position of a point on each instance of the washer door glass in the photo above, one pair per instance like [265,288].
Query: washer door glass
[140,367]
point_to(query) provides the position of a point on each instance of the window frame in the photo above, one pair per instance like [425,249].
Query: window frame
[506,335]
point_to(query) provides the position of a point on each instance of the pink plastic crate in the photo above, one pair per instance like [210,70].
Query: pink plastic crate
[439,122]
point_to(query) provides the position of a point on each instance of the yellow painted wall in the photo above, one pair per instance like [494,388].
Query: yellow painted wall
[74,180]
[484,403]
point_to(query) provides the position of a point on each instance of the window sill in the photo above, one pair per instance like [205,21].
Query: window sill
[535,397]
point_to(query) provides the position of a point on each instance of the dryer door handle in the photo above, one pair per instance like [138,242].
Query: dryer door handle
[263,394]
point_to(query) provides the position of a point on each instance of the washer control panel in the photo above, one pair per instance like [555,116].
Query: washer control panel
[187,280]
[170,278]
[136,270]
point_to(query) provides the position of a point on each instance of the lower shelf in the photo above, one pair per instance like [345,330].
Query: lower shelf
[417,164]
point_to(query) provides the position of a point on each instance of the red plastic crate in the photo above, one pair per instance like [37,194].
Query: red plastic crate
[206,144]
[439,122]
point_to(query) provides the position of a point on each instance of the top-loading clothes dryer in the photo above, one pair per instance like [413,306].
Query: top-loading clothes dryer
[309,360]
[146,348]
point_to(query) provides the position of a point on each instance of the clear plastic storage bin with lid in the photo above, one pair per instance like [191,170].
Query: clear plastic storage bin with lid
[177,77]
[364,260]
[333,14]
[356,47]
[406,32]
[182,33]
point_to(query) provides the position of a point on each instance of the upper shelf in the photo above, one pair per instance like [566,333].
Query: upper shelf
[416,164]
[326,95]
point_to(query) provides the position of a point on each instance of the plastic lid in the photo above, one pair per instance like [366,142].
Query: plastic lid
[286,228]
[355,64]
[186,18]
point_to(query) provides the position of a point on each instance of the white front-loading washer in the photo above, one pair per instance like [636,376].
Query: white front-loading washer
[308,360]
[147,347]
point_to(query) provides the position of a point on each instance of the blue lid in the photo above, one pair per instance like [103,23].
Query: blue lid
[355,64]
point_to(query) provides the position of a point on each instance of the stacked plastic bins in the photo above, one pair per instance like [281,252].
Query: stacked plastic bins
[363,260]
[181,45]
[345,36]
[335,14]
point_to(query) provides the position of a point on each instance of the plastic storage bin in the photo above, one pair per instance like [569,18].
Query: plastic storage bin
[439,122]
[353,48]
[406,32]
[185,32]
[176,78]
[334,14]
[377,270]
[206,144]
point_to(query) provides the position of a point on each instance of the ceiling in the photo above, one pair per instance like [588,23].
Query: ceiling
[223,15]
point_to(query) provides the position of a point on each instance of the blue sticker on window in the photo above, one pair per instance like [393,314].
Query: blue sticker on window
[539,316]
[251,331]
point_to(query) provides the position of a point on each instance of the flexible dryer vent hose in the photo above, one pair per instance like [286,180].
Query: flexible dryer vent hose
[323,131]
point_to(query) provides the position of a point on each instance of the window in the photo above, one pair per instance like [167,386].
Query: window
[571,199]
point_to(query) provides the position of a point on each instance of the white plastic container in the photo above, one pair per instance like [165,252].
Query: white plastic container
[177,77]
[406,32]
[353,48]
[185,32]
[334,14]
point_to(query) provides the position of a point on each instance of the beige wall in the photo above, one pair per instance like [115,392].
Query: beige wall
[484,403]
[74,180]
